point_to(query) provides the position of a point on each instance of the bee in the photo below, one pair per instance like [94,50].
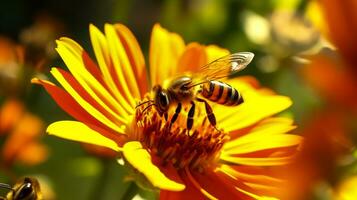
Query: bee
[24,189]
[202,86]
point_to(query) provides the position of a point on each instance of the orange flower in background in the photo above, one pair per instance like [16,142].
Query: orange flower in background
[329,131]
[11,60]
[341,18]
[333,74]
[232,163]
[324,143]
[332,80]
[22,131]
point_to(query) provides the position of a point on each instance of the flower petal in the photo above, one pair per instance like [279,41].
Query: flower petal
[135,56]
[257,161]
[165,50]
[83,102]
[244,187]
[190,192]
[125,79]
[140,159]
[88,62]
[77,131]
[214,52]
[101,50]
[68,104]
[256,107]
[219,186]
[268,134]
[262,143]
[258,178]
[192,58]
[103,106]
[75,64]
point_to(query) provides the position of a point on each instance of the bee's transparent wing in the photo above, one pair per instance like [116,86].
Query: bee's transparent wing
[222,67]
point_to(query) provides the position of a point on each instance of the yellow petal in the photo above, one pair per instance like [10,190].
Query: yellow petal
[192,59]
[267,128]
[122,66]
[255,107]
[165,50]
[214,52]
[77,131]
[266,161]
[254,196]
[251,112]
[135,55]
[140,159]
[266,142]
[88,107]
[101,51]
[250,176]
[74,62]
[259,182]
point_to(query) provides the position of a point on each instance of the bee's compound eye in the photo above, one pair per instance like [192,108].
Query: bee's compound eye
[25,192]
[164,100]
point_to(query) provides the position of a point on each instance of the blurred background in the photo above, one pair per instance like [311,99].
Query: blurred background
[303,49]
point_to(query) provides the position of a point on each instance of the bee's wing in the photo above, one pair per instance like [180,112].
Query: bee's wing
[222,67]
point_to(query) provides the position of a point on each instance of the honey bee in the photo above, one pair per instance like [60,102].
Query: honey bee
[201,86]
[24,189]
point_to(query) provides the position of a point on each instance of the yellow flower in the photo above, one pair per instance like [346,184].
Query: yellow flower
[233,163]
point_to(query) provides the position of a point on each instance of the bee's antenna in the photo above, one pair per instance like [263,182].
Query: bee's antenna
[6,186]
[148,107]
[143,103]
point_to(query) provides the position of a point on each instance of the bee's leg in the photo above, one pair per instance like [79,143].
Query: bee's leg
[166,116]
[177,112]
[209,112]
[190,115]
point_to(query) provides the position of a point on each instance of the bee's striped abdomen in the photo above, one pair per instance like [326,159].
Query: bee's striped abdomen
[221,93]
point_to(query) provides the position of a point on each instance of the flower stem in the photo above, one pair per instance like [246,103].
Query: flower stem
[131,191]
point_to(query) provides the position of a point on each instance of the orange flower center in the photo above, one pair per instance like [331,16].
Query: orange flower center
[196,149]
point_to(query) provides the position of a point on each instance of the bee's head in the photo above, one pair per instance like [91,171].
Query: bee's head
[161,100]
[27,189]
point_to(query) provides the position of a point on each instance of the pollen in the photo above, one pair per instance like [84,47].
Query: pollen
[195,149]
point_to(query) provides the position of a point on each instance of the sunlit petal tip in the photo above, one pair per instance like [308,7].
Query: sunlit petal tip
[71,43]
[40,81]
[94,31]
[64,39]
[157,25]
[160,30]
[92,26]
[61,43]
[214,52]
[140,159]
[121,26]
[35,80]
[157,30]
[53,70]
[107,26]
